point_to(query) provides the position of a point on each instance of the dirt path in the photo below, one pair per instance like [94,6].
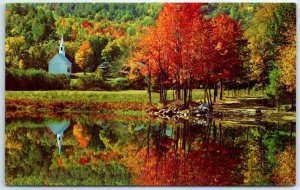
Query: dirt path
[251,107]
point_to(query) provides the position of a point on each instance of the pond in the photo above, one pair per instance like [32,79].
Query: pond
[91,149]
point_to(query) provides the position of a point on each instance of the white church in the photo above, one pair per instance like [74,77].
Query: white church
[59,64]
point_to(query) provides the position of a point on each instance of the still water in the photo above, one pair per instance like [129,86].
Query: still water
[89,150]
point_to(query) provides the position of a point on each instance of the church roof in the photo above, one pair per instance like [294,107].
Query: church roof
[59,126]
[60,58]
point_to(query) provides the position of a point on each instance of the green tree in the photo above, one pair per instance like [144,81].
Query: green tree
[15,50]
[98,44]
[110,54]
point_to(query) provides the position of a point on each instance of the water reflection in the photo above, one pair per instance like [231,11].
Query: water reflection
[149,152]
[58,128]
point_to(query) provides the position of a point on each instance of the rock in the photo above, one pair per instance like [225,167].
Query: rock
[196,111]
[156,113]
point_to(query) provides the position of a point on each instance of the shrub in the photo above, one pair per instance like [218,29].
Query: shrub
[32,79]
[118,84]
[139,84]
[90,82]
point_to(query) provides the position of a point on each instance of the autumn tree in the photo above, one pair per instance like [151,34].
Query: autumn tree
[139,65]
[264,35]
[183,47]
[84,55]
[178,24]
[287,54]
[164,44]
[258,42]
[226,33]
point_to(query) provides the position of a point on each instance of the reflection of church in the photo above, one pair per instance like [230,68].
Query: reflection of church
[58,128]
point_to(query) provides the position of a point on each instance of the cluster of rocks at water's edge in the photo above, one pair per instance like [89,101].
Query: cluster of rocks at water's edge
[176,113]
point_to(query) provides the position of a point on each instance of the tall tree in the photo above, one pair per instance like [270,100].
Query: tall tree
[287,51]
[226,34]
[84,55]
[261,35]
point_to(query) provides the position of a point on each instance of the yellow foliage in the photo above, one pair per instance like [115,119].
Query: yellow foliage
[257,39]
[12,144]
[285,171]
[288,61]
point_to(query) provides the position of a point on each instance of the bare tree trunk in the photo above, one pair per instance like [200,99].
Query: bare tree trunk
[221,89]
[173,93]
[178,90]
[292,101]
[215,92]
[205,94]
[149,87]
[209,95]
[185,93]
[191,83]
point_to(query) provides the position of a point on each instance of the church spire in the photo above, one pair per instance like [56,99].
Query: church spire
[59,141]
[62,46]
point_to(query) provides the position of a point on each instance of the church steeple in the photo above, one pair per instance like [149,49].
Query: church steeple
[62,46]
[59,141]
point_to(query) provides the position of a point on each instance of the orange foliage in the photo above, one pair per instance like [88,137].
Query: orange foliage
[60,162]
[63,22]
[84,55]
[81,135]
[183,46]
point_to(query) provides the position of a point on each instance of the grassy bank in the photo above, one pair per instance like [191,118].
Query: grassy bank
[132,103]
[88,100]
[91,96]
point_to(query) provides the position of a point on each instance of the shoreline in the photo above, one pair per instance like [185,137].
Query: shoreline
[234,112]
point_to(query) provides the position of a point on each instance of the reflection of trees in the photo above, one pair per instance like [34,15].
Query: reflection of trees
[115,135]
[24,156]
[82,135]
[154,153]
[179,159]
[285,171]
[32,159]
[260,151]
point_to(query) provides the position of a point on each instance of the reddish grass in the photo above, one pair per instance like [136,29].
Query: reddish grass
[13,104]
[69,115]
